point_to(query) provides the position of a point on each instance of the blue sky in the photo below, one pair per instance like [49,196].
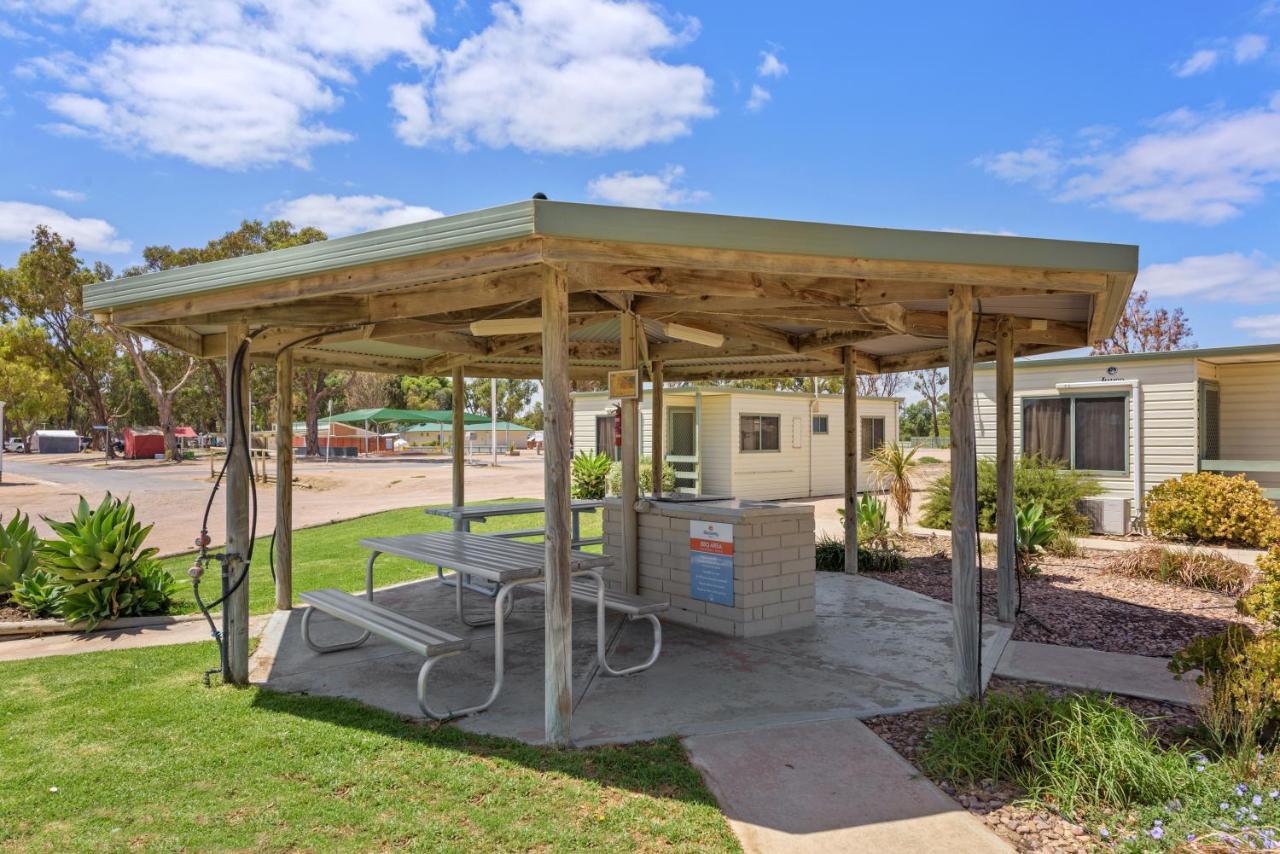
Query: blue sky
[132,122]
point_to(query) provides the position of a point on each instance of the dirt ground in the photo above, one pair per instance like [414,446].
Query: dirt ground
[173,496]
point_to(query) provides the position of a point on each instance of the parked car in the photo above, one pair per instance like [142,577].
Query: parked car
[534,442]
[15,445]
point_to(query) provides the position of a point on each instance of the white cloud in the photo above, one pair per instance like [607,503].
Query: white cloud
[758,98]
[770,65]
[1038,164]
[337,215]
[1260,326]
[225,83]
[18,219]
[1198,63]
[1249,47]
[641,190]
[68,195]
[1232,276]
[559,76]
[1192,167]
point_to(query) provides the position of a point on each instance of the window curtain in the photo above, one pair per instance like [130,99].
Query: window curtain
[1100,434]
[1046,429]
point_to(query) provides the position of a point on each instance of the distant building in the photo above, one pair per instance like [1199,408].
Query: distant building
[479,435]
[746,443]
[54,442]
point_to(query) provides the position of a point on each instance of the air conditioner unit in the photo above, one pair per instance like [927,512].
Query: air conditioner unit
[1108,515]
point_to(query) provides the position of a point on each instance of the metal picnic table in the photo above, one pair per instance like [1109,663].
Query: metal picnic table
[464,516]
[504,563]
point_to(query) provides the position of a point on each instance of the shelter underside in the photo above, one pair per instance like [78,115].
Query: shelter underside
[721,310]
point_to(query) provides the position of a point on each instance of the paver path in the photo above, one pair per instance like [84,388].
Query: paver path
[830,786]
[1090,669]
[74,644]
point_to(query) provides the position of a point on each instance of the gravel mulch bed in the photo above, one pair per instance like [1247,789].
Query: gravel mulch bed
[1072,602]
[10,612]
[1026,827]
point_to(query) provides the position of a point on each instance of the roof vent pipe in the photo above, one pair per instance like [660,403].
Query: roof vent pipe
[541,196]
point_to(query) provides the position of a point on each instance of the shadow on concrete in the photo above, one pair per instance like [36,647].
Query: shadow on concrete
[876,649]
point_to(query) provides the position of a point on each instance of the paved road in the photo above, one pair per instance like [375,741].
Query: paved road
[120,480]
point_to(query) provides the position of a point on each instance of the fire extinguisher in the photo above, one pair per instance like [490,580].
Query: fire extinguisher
[617,427]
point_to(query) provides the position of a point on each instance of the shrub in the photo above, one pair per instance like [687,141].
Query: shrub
[590,473]
[644,477]
[829,554]
[873,522]
[1064,545]
[1035,479]
[1070,751]
[1208,570]
[928,461]
[829,557]
[1239,674]
[1210,507]
[1262,602]
[100,565]
[17,551]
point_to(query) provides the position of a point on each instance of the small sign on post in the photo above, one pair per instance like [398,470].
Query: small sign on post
[711,562]
[625,385]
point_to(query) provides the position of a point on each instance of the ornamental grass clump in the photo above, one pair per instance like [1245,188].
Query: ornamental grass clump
[1201,568]
[100,570]
[1213,508]
[1069,752]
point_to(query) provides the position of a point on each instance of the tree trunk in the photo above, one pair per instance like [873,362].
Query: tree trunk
[100,413]
[164,406]
[313,426]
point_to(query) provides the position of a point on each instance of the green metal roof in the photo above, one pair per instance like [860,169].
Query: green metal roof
[604,223]
[402,416]
[480,427]
[1226,354]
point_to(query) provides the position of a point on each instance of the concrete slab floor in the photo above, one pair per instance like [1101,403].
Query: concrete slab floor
[876,649]
[1095,670]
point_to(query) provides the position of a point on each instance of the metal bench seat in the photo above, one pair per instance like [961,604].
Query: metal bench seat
[428,642]
[632,607]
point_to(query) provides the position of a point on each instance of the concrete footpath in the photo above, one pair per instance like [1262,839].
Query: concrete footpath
[830,786]
[1090,669]
[74,644]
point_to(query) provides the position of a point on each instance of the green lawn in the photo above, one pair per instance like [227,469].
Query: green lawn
[128,750]
[331,556]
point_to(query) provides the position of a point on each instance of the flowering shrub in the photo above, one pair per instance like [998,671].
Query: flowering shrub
[1240,675]
[1035,481]
[1210,507]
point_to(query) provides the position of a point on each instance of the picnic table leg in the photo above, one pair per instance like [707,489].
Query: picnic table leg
[601,657]
[368,576]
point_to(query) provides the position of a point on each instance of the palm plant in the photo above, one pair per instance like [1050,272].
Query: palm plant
[891,466]
[590,474]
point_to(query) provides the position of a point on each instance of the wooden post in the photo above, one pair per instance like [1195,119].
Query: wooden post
[284,481]
[964,503]
[1006,560]
[656,423]
[459,391]
[235,609]
[630,414]
[558,415]
[851,451]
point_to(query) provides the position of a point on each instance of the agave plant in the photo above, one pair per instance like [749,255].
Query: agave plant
[39,593]
[99,561]
[591,475]
[873,522]
[1033,532]
[17,551]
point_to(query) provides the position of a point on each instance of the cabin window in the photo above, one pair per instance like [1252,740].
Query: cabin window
[1083,432]
[872,436]
[759,432]
[820,425]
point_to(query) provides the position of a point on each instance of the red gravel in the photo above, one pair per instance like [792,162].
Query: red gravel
[1072,602]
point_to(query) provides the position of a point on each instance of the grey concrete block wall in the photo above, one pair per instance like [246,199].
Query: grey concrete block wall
[773,564]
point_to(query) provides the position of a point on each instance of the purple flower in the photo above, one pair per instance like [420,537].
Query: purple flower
[1273,794]
[1102,831]
[1157,832]
[1257,800]
[1241,788]
[1224,806]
